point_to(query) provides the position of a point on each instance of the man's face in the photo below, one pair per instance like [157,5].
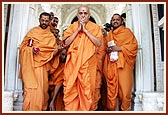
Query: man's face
[83,14]
[116,21]
[52,15]
[54,22]
[44,21]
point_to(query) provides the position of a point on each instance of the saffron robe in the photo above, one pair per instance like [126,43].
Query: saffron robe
[80,68]
[34,69]
[118,74]
[99,74]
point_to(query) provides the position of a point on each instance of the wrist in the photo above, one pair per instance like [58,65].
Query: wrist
[52,101]
[119,48]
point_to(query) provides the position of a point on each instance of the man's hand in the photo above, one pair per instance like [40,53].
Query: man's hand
[83,28]
[36,50]
[79,28]
[113,49]
[82,20]
[82,24]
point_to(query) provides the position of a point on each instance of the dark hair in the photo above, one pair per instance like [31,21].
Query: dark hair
[45,14]
[123,15]
[118,15]
[56,17]
[51,13]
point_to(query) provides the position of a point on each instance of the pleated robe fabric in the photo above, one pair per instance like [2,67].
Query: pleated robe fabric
[80,68]
[99,74]
[34,69]
[119,74]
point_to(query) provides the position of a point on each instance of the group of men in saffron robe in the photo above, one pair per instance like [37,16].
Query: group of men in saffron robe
[68,74]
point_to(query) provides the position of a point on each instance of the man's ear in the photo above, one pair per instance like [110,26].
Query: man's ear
[89,15]
[122,21]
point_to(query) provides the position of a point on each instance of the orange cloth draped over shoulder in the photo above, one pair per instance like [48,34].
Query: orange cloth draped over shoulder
[80,68]
[125,39]
[33,67]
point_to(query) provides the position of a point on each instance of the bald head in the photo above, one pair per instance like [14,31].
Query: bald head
[84,7]
[83,14]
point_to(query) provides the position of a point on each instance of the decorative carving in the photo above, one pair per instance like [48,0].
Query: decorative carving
[153,101]
[8,101]
[159,69]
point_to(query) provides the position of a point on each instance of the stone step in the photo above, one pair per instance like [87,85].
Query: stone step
[17,108]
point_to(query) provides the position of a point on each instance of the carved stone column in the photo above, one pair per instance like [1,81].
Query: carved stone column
[129,16]
[18,27]
[139,15]
[158,62]
[133,23]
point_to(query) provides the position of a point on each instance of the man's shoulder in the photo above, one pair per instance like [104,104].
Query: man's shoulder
[34,28]
[93,23]
[127,30]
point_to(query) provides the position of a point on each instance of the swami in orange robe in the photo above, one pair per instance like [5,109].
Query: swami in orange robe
[34,67]
[56,80]
[119,74]
[80,68]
